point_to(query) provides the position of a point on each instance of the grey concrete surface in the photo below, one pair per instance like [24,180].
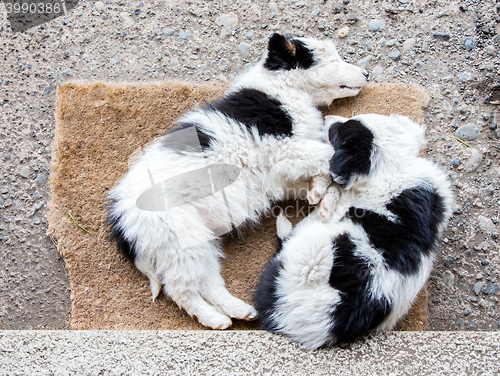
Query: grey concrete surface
[243,353]
[449,46]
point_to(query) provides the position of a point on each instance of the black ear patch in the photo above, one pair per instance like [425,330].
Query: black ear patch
[353,144]
[285,52]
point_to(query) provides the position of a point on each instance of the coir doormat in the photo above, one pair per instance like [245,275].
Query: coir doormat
[98,128]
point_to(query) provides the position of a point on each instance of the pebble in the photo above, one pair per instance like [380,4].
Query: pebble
[25,171]
[352,18]
[99,6]
[485,224]
[223,64]
[249,34]
[448,278]
[454,123]
[169,31]
[137,11]
[485,262]
[337,9]
[229,21]
[376,25]
[369,45]
[469,43]
[455,161]
[467,311]
[36,221]
[174,61]
[491,289]
[474,161]
[465,76]
[408,44]
[363,63]
[244,48]
[390,42]
[448,262]
[490,50]
[315,12]
[377,71]
[477,287]
[468,132]
[343,32]
[441,36]
[184,35]
[395,54]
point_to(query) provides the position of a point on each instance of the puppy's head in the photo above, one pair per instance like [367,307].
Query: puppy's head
[369,143]
[314,66]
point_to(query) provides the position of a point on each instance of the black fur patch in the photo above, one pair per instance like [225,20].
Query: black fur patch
[357,314]
[124,246]
[287,53]
[265,297]
[180,143]
[255,108]
[353,144]
[419,211]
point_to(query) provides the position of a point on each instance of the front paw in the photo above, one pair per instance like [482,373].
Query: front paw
[318,186]
[329,203]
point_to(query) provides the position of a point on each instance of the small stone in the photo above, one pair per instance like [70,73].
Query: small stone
[491,289]
[369,46]
[408,44]
[485,262]
[244,48]
[479,276]
[376,25]
[410,8]
[169,32]
[25,171]
[467,311]
[229,21]
[469,43]
[454,123]
[448,278]
[249,34]
[418,65]
[345,2]
[455,161]
[137,11]
[184,35]
[363,63]
[337,9]
[465,76]
[316,12]
[352,18]
[485,224]
[448,262]
[377,71]
[390,42]
[474,161]
[99,6]
[468,132]
[343,32]
[485,116]
[395,54]
[473,298]
[36,221]
[477,287]
[490,50]
[174,61]
[494,235]
[441,36]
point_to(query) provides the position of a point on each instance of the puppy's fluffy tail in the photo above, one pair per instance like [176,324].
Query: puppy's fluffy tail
[283,227]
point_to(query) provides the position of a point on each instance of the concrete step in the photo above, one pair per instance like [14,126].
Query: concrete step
[243,352]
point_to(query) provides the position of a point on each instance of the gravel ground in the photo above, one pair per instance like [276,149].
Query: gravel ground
[450,47]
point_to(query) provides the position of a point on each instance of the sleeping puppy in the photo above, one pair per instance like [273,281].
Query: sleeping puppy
[222,167]
[357,263]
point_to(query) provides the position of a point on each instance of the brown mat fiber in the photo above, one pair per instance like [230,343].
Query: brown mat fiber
[98,127]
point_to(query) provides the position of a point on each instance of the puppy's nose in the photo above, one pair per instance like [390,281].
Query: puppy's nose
[366,74]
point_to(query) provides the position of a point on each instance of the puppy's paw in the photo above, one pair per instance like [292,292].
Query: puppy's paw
[318,186]
[238,309]
[329,203]
[216,320]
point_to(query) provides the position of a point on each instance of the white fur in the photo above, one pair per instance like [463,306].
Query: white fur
[177,248]
[305,305]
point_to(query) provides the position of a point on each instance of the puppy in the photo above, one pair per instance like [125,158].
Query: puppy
[221,168]
[358,262]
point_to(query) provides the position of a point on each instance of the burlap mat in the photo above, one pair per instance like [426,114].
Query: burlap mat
[98,127]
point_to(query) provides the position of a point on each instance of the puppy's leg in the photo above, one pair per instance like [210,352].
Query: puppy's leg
[329,202]
[318,186]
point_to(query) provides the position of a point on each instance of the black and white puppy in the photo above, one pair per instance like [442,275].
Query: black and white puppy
[222,167]
[358,262]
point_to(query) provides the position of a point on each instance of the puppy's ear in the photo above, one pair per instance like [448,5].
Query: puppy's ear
[285,52]
[353,145]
